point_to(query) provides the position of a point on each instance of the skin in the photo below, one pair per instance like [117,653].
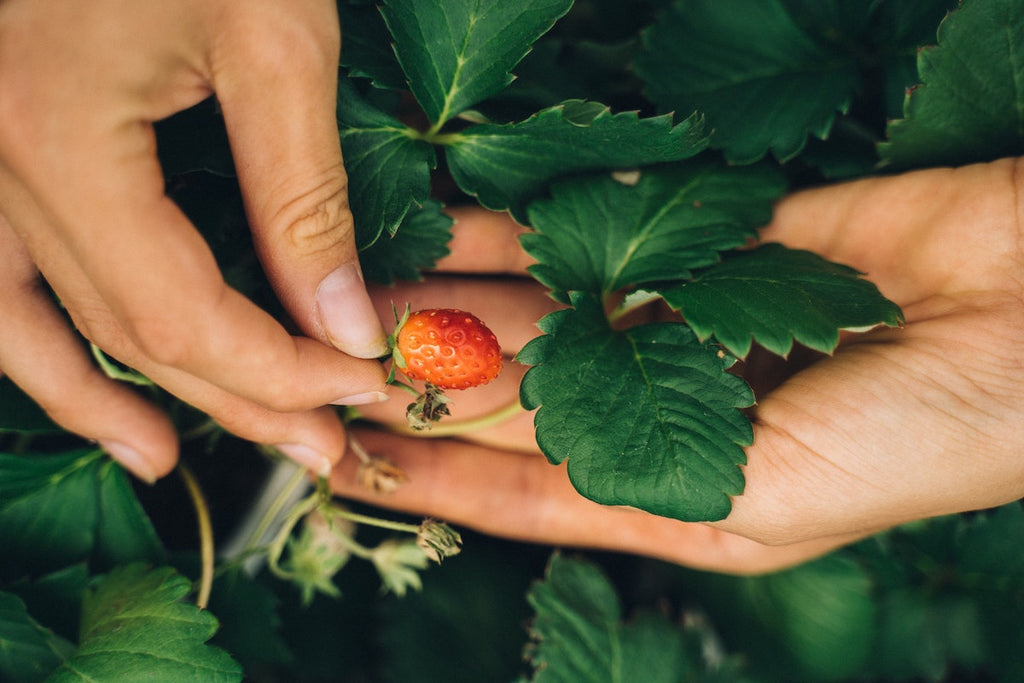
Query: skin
[82,204]
[896,425]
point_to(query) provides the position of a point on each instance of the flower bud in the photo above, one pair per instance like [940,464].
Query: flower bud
[438,540]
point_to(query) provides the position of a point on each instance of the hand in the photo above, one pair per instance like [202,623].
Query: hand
[898,424]
[82,203]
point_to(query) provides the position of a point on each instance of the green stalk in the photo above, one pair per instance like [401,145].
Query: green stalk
[206,552]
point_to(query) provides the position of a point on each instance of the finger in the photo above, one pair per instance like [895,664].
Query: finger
[41,354]
[898,230]
[484,242]
[277,86]
[525,498]
[158,298]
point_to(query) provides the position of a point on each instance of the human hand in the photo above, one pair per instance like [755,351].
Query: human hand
[898,424]
[82,202]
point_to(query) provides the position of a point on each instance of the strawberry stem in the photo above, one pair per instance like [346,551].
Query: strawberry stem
[448,428]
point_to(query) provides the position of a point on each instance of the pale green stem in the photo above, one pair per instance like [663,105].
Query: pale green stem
[443,429]
[206,552]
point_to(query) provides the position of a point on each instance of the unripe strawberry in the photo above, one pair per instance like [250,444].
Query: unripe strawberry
[447,348]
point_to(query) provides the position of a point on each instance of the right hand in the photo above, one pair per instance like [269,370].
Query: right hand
[82,204]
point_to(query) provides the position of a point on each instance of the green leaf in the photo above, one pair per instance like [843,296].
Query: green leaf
[55,599]
[421,240]
[506,166]
[647,417]
[579,635]
[822,613]
[19,413]
[900,28]
[763,81]
[456,53]
[28,652]
[599,235]
[58,509]
[136,627]
[970,106]
[388,166]
[922,634]
[813,622]
[366,46]
[776,295]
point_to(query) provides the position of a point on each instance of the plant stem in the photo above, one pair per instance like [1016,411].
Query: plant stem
[443,429]
[205,534]
[377,522]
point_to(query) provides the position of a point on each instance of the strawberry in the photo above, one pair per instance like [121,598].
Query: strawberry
[448,348]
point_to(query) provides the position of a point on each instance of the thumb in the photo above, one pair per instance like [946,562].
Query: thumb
[278,94]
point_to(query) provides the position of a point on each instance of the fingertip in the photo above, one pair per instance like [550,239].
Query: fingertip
[308,457]
[133,460]
[347,314]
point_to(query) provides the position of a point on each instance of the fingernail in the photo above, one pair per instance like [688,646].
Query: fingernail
[348,315]
[310,458]
[133,461]
[361,399]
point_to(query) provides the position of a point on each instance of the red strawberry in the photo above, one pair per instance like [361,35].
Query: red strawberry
[447,348]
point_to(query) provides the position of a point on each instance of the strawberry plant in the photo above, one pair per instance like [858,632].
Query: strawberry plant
[643,146]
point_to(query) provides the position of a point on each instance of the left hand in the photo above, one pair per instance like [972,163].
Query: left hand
[493,477]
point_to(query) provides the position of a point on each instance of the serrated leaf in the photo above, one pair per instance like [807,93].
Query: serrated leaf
[579,635]
[421,240]
[28,651]
[900,28]
[761,80]
[506,166]
[647,417]
[388,166]
[59,509]
[776,295]
[970,106]
[599,235]
[366,46]
[19,413]
[456,53]
[137,627]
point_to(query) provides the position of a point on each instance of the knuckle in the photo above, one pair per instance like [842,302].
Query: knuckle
[319,221]
[281,395]
[162,339]
[301,43]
